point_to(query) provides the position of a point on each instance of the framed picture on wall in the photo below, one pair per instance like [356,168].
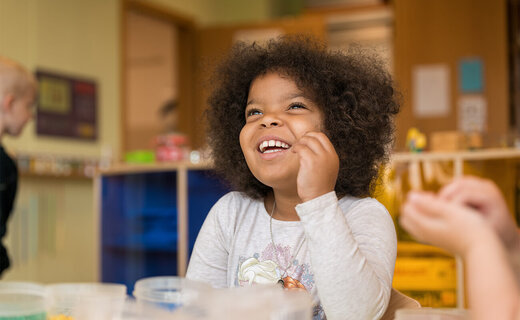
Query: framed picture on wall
[66,106]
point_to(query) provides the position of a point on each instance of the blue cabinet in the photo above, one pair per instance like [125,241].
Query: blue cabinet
[150,218]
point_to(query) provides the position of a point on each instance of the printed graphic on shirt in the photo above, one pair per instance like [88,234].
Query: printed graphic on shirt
[271,266]
[276,265]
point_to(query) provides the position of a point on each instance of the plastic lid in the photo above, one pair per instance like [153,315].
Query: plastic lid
[170,289]
[21,298]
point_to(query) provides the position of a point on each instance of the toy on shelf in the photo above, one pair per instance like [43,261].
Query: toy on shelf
[172,147]
[415,140]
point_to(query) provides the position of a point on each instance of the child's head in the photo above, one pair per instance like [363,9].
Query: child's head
[17,96]
[353,92]
[169,116]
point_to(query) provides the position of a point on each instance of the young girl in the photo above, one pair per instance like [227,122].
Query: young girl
[300,132]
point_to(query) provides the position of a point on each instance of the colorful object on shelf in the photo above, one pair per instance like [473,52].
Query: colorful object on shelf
[56,165]
[446,141]
[415,140]
[140,156]
[171,147]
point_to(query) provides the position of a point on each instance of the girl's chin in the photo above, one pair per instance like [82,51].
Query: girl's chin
[282,183]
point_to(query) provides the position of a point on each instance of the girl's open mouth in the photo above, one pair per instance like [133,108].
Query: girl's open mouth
[270,146]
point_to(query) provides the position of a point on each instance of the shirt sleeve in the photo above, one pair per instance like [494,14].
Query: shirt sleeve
[209,259]
[352,254]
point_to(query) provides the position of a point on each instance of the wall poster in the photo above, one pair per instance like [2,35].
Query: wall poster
[66,107]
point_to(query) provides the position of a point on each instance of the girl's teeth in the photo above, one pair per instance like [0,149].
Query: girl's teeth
[272,143]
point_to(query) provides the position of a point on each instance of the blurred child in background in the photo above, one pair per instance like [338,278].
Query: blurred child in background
[17,97]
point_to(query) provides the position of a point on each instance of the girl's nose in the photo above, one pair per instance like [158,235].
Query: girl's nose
[270,124]
[270,121]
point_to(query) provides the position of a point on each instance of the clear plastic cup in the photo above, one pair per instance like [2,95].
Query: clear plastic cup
[85,301]
[133,311]
[169,292]
[432,314]
[22,300]
[258,302]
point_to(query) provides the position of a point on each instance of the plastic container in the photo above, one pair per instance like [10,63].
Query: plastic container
[140,156]
[432,314]
[133,311]
[22,300]
[171,147]
[169,292]
[258,302]
[85,301]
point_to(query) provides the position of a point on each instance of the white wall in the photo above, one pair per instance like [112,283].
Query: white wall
[74,37]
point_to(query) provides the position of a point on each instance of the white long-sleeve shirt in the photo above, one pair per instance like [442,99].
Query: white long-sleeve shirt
[342,251]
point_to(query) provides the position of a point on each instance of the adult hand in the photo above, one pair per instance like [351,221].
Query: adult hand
[454,227]
[485,197]
[319,165]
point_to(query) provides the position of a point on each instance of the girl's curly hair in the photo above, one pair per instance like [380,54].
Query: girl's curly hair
[354,91]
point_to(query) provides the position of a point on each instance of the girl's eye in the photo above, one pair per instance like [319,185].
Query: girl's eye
[253,112]
[297,106]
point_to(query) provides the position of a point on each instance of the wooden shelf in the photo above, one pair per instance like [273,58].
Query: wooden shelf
[414,249]
[50,175]
[483,154]
[124,168]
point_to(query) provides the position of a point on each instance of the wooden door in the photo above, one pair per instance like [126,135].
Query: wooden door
[156,67]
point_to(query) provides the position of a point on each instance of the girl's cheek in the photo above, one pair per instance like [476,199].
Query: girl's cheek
[241,137]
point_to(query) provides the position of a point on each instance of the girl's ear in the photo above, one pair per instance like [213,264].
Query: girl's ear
[7,103]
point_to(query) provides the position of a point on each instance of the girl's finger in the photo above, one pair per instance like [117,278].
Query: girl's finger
[303,151]
[324,140]
[312,143]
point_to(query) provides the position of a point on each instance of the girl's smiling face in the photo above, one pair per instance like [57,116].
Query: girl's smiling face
[277,115]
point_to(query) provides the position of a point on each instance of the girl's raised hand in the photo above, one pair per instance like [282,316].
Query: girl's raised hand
[319,165]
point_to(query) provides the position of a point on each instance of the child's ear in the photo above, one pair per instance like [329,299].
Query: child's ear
[7,102]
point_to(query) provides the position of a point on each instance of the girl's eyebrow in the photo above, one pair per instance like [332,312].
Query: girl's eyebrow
[287,97]
[295,95]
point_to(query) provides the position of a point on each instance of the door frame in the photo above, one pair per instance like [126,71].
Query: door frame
[185,61]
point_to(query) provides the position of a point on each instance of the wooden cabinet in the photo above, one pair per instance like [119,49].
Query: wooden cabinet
[149,217]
